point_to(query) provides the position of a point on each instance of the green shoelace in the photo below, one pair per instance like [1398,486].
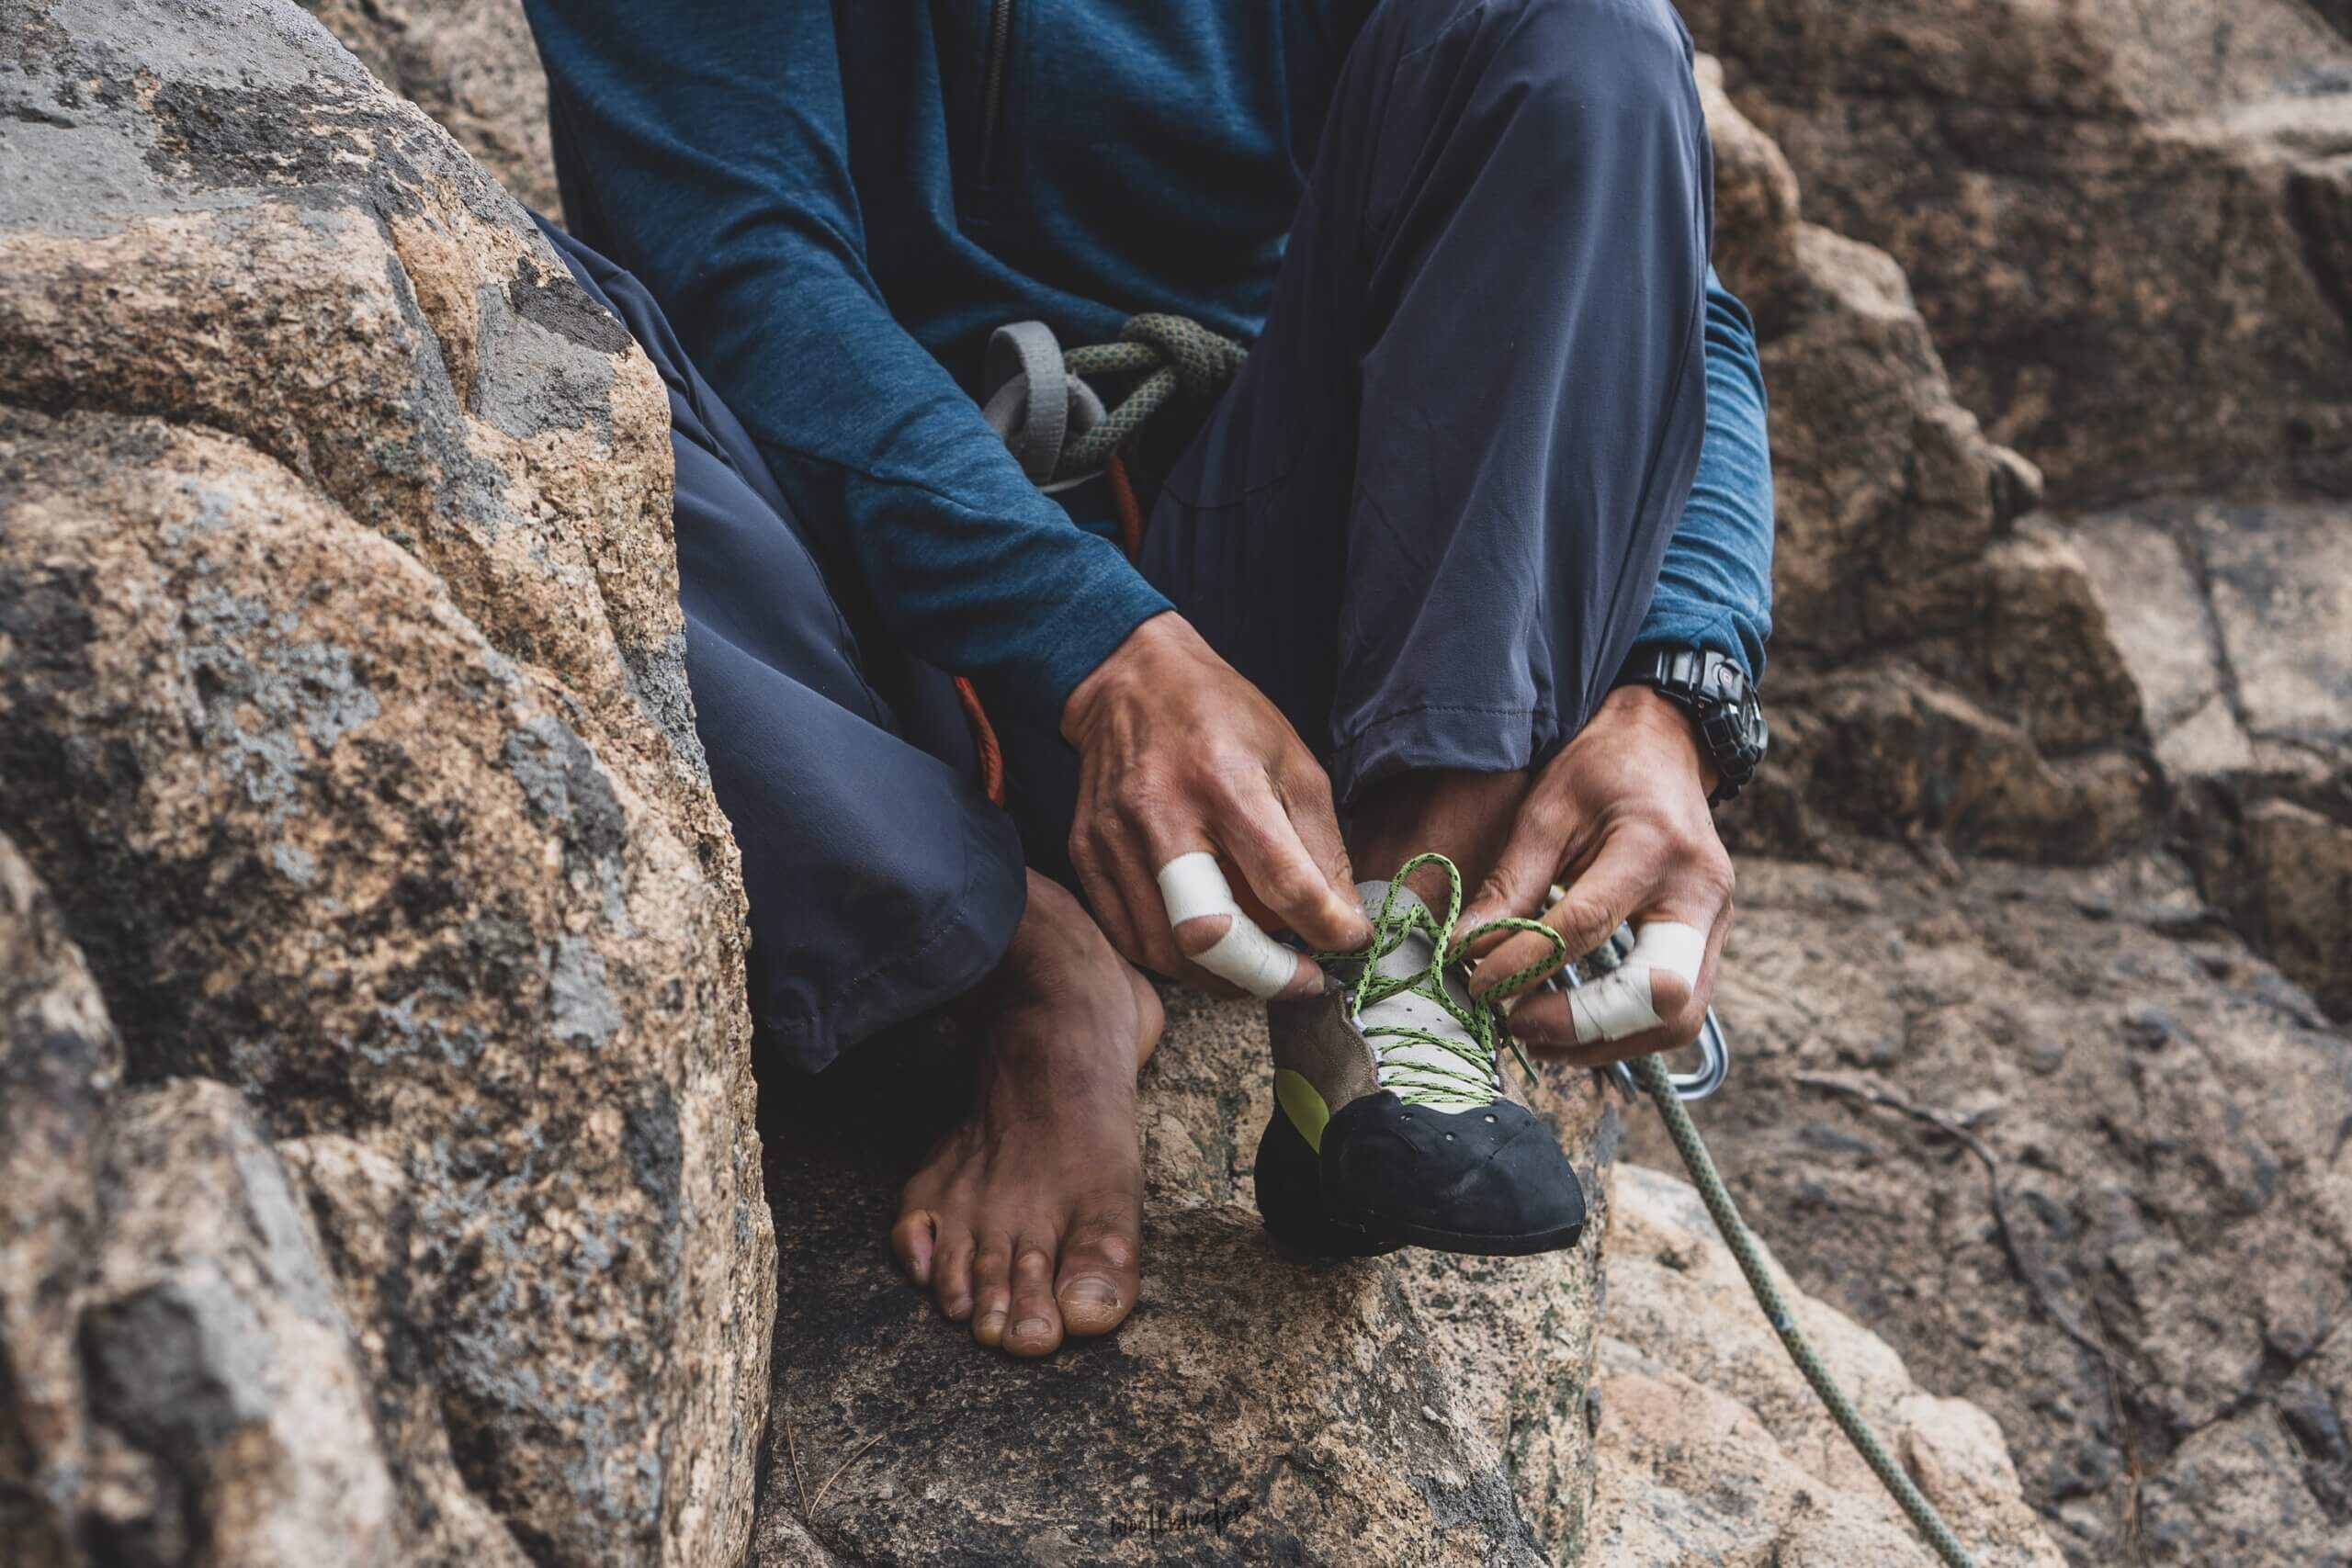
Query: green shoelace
[1469,1079]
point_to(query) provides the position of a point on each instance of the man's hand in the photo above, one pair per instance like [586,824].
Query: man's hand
[1179,753]
[1619,817]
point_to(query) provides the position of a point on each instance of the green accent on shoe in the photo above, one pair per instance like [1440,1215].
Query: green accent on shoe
[1442,1084]
[1303,1105]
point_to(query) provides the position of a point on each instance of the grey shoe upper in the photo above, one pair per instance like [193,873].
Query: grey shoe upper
[1343,1055]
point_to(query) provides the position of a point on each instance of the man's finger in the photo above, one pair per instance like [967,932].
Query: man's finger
[1514,889]
[1619,879]
[1130,869]
[1106,899]
[1256,830]
[1554,1027]
[1307,800]
[1539,1021]
[1211,931]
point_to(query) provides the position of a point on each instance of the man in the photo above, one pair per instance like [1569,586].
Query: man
[1472,557]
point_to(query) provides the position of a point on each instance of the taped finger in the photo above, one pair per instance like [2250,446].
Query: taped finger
[1192,887]
[1622,1003]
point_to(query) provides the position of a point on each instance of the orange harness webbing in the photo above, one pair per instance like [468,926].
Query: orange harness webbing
[1130,513]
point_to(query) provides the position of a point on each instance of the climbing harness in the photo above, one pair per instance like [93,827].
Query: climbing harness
[1038,402]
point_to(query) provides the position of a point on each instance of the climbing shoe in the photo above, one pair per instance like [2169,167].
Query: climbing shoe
[1392,1123]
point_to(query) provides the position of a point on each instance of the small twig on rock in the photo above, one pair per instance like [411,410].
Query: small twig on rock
[793,1455]
[808,1514]
[1952,1127]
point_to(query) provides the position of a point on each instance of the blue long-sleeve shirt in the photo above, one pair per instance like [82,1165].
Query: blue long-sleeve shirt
[817,193]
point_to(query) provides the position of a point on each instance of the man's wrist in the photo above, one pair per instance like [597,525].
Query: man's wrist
[1645,708]
[1152,640]
[1720,701]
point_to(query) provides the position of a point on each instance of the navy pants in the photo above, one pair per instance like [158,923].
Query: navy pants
[1426,519]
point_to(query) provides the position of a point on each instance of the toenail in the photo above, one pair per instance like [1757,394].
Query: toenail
[1032,1328]
[991,1320]
[1092,1294]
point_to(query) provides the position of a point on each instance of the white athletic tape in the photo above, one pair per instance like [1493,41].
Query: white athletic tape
[1617,1006]
[1193,885]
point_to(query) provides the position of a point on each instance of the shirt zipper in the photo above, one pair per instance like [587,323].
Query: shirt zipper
[1000,43]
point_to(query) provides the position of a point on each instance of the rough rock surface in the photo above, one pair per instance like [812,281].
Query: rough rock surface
[2167,1122]
[1257,1407]
[181,1384]
[2234,624]
[1938,667]
[471,66]
[2118,225]
[1692,1474]
[340,704]
[2128,224]
[341,709]
[1951,667]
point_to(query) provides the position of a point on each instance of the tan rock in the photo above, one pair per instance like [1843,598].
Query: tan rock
[2234,621]
[2281,592]
[2126,227]
[180,1383]
[1885,745]
[2300,865]
[61,1069]
[471,66]
[2167,1116]
[1408,1409]
[2157,615]
[1935,668]
[1713,1450]
[342,702]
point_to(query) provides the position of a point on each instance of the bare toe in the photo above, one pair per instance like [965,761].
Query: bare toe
[992,1290]
[951,1270]
[912,1240]
[1037,1321]
[1047,1153]
[1099,1279]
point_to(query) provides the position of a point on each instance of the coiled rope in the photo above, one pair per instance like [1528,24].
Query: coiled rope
[1168,353]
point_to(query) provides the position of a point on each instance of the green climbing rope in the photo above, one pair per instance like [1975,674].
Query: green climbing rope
[1651,1072]
[1168,352]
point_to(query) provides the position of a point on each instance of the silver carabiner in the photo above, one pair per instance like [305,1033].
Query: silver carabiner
[1714,1066]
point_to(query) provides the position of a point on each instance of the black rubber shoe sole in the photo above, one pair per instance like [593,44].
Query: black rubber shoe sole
[1298,1212]
[1289,1182]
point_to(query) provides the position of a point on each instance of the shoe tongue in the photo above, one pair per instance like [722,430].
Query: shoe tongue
[1399,1057]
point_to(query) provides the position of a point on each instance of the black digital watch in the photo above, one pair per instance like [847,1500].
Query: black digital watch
[1721,702]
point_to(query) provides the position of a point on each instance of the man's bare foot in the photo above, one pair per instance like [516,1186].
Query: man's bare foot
[1027,1218]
